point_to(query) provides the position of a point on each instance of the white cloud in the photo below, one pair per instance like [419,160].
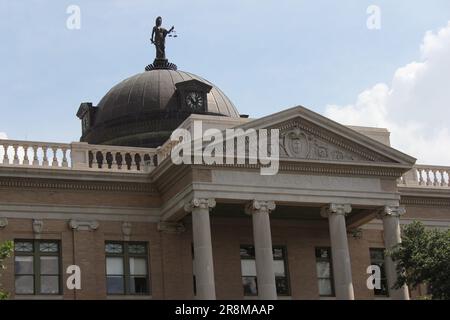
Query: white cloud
[415,107]
[3,135]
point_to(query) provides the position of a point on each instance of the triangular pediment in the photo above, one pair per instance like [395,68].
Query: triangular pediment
[307,135]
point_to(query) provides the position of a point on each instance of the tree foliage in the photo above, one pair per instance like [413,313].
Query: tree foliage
[6,250]
[423,257]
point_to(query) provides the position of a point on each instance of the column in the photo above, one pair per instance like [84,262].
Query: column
[392,237]
[203,258]
[265,274]
[342,271]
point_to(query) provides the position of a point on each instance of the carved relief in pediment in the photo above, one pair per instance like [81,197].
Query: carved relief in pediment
[304,141]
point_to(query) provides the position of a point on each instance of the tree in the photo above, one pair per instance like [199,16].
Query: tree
[6,250]
[423,257]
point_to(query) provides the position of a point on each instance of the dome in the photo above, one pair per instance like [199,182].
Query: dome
[143,110]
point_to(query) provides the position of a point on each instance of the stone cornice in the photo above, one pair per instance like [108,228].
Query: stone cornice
[104,186]
[425,201]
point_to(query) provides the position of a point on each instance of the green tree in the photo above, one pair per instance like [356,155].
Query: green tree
[6,250]
[423,257]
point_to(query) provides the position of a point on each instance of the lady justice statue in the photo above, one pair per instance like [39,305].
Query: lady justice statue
[159,39]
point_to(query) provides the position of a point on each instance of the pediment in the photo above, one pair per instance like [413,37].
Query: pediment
[307,135]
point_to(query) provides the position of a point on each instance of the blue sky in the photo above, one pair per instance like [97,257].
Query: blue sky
[266,55]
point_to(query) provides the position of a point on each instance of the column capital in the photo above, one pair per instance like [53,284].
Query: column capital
[202,203]
[391,211]
[256,206]
[83,225]
[335,208]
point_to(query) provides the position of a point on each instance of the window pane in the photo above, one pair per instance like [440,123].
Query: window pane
[325,288]
[48,247]
[282,286]
[247,252]
[24,284]
[114,265]
[138,266]
[278,253]
[113,248]
[23,264]
[250,286]
[248,267]
[49,265]
[114,284]
[323,269]
[136,249]
[377,254]
[278,266]
[323,253]
[23,246]
[50,284]
[138,285]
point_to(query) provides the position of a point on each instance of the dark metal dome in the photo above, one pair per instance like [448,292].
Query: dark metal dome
[144,109]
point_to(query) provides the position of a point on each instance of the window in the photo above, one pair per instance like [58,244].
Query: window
[37,267]
[126,268]
[324,272]
[248,269]
[377,258]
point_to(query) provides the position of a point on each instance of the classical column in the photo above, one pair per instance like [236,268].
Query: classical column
[203,258]
[392,237]
[342,271]
[262,238]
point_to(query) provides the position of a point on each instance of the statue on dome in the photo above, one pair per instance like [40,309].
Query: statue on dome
[159,39]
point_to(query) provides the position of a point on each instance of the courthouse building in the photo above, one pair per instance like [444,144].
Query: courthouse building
[142,227]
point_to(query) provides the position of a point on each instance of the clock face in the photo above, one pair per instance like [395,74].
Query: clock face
[195,101]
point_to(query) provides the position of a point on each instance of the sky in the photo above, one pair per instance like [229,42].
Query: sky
[266,55]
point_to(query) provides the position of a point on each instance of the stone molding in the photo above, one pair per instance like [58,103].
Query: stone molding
[171,227]
[83,225]
[126,230]
[423,201]
[391,211]
[258,206]
[202,203]
[77,185]
[335,209]
[3,222]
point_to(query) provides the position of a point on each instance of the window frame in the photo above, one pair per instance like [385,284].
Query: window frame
[37,254]
[126,255]
[286,269]
[331,277]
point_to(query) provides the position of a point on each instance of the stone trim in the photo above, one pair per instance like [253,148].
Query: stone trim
[171,227]
[335,208]
[426,202]
[258,206]
[83,225]
[77,185]
[3,222]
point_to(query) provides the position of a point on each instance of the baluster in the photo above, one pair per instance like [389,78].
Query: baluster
[64,162]
[429,182]
[54,160]
[44,159]
[434,177]
[114,164]
[133,166]
[26,161]
[94,159]
[35,158]
[16,156]
[448,179]
[6,156]
[421,181]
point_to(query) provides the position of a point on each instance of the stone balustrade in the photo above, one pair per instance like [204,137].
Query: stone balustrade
[76,156]
[427,176]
